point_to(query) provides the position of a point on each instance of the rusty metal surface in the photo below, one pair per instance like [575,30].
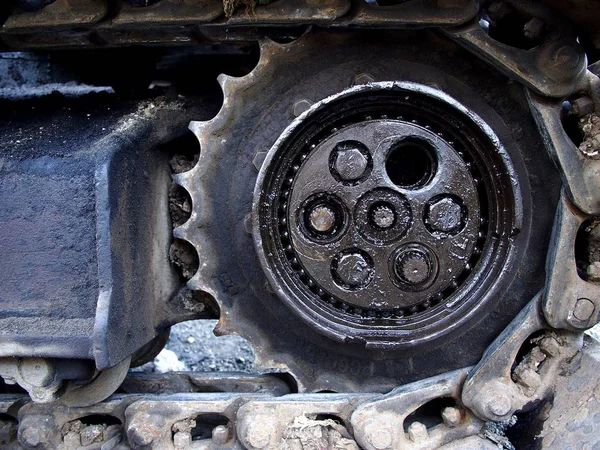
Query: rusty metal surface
[552,68]
[234,277]
[570,302]
[167,12]
[257,416]
[88,23]
[234,420]
[292,12]
[573,417]
[581,175]
[183,382]
[265,423]
[495,389]
[412,13]
[384,423]
[59,15]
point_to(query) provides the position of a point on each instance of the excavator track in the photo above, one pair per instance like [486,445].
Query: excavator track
[395,202]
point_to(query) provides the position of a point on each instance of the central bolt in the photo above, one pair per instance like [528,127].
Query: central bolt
[350,163]
[383,216]
[353,269]
[412,266]
[322,218]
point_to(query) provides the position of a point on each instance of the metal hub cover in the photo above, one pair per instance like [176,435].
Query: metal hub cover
[372,217]
[396,187]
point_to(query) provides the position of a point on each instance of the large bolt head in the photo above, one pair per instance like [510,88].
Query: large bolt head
[353,269]
[499,405]
[378,435]
[444,215]
[29,437]
[259,435]
[37,371]
[350,163]
[584,308]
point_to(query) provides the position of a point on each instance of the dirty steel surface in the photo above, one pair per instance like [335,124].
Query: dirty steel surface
[363,277]
[250,308]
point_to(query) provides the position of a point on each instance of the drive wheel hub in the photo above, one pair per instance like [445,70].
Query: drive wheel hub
[372,213]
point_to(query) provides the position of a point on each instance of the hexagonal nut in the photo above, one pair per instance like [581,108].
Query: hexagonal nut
[444,215]
[30,437]
[451,416]
[34,432]
[417,432]
[350,164]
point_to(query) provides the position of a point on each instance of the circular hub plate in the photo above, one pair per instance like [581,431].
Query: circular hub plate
[381,213]
[377,212]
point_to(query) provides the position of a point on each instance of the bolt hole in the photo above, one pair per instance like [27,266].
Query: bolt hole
[411,164]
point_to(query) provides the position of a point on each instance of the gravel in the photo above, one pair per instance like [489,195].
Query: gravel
[193,346]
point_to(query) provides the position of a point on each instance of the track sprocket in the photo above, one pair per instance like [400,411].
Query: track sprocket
[259,107]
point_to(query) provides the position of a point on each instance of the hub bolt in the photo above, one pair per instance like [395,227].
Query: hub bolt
[383,216]
[350,163]
[353,269]
[444,215]
[413,266]
[322,218]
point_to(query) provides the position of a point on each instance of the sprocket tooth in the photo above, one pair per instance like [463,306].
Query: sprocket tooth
[198,127]
[227,82]
[202,131]
[183,180]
